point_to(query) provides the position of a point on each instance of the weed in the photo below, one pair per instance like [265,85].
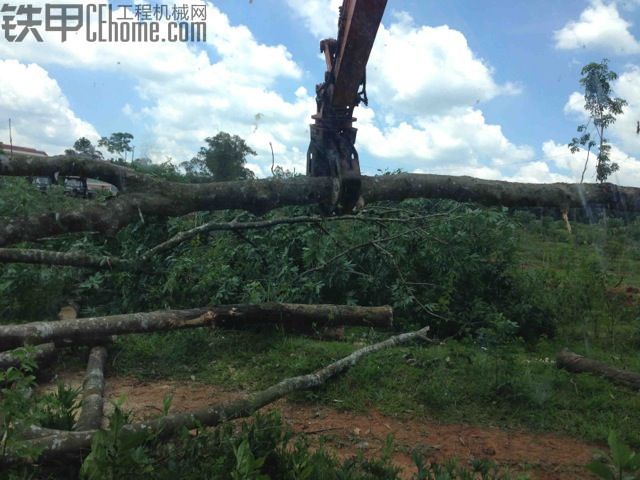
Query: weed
[621,464]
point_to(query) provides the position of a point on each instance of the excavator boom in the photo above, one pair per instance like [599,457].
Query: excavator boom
[361,21]
[332,148]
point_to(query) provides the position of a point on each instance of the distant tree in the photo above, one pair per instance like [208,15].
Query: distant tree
[118,143]
[84,146]
[602,109]
[222,159]
[197,170]
[165,170]
[144,161]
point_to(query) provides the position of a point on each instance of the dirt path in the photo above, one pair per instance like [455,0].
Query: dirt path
[540,455]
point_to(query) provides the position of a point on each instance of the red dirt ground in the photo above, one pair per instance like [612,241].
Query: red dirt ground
[543,456]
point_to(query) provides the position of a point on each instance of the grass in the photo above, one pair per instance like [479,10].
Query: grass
[453,382]
[512,385]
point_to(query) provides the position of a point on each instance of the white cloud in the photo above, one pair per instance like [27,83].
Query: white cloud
[319,16]
[571,165]
[425,84]
[458,141]
[537,172]
[423,120]
[187,95]
[575,105]
[628,87]
[241,56]
[422,70]
[40,113]
[600,26]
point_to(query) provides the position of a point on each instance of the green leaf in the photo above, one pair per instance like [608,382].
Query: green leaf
[621,454]
[601,470]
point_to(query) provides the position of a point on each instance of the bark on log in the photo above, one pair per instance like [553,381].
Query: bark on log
[578,364]
[91,408]
[42,355]
[289,316]
[77,166]
[69,259]
[63,442]
[168,199]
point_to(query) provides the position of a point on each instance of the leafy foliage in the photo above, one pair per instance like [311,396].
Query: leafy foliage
[603,109]
[222,159]
[20,407]
[448,271]
[118,143]
[84,146]
[258,450]
[622,464]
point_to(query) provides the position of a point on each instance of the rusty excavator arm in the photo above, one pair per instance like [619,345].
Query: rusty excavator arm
[332,148]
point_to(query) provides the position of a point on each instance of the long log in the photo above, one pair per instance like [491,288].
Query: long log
[166,199]
[289,316]
[53,445]
[578,364]
[42,355]
[77,166]
[69,259]
[91,408]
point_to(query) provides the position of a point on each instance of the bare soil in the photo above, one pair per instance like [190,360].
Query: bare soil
[543,456]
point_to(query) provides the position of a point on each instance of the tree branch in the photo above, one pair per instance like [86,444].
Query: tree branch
[82,260]
[262,224]
[62,442]
[69,259]
[326,263]
[290,316]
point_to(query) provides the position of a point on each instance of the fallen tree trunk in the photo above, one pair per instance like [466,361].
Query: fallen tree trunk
[167,199]
[289,316]
[69,259]
[53,445]
[578,364]
[91,408]
[76,166]
[42,354]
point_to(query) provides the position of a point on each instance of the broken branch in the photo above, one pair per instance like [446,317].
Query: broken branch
[262,224]
[69,259]
[62,442]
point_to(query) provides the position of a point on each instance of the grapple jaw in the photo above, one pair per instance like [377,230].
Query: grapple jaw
[332,153]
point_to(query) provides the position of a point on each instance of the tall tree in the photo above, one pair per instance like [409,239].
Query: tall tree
[84,146]
[223,158]
[602,108]
[118,143]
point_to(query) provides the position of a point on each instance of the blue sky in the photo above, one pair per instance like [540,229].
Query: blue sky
[485,88]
